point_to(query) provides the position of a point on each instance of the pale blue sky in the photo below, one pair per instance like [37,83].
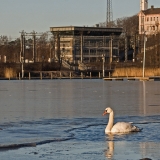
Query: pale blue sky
[40,15]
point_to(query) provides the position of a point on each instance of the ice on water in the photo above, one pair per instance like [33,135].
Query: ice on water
[55,113]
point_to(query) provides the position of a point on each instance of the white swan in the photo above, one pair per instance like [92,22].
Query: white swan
[120,127]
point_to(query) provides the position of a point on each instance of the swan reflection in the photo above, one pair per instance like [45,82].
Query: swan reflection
[110,151]
[116,149]
[110,143]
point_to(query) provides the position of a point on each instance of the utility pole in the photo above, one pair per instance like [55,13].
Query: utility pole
[134,47]
[23,46]
[22,66]
[144,56]
[111,50]
[34,46]
[103,58]
[126,48]
[21,52]
[82,47]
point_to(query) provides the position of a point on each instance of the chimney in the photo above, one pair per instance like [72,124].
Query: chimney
[152,7]
[97,25]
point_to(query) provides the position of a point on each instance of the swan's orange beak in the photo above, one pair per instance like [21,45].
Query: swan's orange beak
[105,112]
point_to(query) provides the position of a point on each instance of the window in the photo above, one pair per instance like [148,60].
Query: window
[142,19]
[93,51]
[151,18]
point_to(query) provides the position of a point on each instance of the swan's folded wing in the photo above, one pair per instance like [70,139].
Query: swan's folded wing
[123,127]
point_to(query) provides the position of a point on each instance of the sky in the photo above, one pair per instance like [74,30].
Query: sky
[40,15]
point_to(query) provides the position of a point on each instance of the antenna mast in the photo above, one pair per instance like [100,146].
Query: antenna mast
[109,15]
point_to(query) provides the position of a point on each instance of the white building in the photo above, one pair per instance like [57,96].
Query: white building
[149,18]
[143,5]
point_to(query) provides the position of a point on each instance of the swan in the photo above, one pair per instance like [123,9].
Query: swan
[119,127]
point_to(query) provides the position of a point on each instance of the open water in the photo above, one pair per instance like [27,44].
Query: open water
[62,119]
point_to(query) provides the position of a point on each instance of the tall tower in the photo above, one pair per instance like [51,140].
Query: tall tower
[143,5]
[109,15]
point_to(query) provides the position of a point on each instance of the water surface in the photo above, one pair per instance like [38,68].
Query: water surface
[60,119]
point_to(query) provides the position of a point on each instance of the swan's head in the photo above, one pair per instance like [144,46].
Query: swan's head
[107,110]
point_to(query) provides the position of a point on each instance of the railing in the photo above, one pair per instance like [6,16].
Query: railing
[65,64]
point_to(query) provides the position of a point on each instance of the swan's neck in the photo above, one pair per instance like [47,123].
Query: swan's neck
[110,122]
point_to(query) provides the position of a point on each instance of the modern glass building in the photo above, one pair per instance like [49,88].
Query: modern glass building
[86,44]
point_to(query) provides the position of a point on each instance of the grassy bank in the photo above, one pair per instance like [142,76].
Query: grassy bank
[135,72]
[10,73]
[12,70]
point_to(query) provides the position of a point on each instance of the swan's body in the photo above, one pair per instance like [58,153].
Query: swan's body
[120,127]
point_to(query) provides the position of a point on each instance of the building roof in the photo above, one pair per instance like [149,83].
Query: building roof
[86,31]
[152,10]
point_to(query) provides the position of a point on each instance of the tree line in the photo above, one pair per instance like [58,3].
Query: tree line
[10,49]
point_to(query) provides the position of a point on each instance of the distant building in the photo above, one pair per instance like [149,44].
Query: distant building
[143,5]
[86,44]
[149,19]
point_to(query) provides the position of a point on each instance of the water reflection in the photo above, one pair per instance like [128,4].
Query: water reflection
[110,152]
[144,98]
[124,146]
[76,98]
[149,98]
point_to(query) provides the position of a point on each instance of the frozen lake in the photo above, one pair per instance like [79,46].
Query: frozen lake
[62,119]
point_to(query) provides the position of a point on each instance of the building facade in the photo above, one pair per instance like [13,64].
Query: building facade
[86,44]
[149,19]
